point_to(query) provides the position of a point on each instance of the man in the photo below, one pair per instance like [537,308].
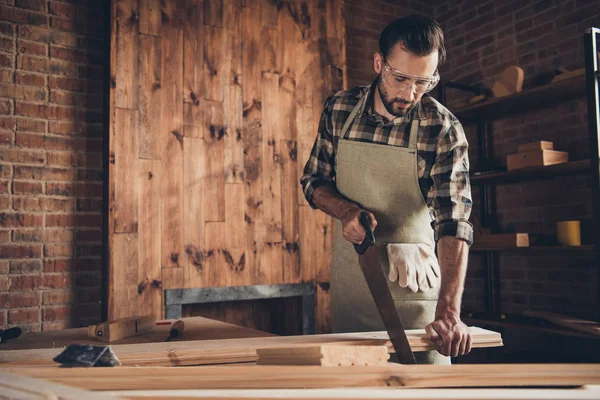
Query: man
[393,151]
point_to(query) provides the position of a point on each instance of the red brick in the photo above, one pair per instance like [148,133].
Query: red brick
[19,299]
[56,281]
[21,156]
[5,107]
[29,140]
[26,93]
[35,5]
[3,319]
[4,187]
[26,204]
[56,313]
[32,48]
[59,236]
[4,267]
[4,236]
[21,187]
[25,251]
[25,78]
[74,189]
[43,111]
[91,72]
[30,125]
[59,265]
[16,317]
[6,137]
[73,85]
[58,250]
[28,235]
[7,75]
[7,44]
[57,205]
[89,250]
[91,235]
[22,16]
[9,220]
[25,282]
[7,123]
[4,282]
[57,297]
[62,9]
[70,220]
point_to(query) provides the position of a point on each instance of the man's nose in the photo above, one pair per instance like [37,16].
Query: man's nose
[407,93]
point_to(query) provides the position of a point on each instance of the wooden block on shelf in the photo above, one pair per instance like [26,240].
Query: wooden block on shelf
[326,355]
[568,74]
[511,82]
[533,146]
[536,158]
[500,241]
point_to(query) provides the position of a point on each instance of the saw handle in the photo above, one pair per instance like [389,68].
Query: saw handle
[369,239]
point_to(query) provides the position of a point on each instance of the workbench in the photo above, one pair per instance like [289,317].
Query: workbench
[209,341]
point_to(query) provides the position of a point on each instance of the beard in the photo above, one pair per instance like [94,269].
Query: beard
[392,105]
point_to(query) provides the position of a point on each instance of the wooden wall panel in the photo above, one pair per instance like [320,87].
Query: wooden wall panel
[214,110]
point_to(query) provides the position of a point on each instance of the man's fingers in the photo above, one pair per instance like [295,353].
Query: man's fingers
[469,343]
[433,336]
[456,344]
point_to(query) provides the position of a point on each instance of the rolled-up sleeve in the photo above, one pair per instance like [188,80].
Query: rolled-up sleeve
[319,169]
[452,200]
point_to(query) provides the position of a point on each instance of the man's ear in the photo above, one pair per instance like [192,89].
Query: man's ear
[377,62]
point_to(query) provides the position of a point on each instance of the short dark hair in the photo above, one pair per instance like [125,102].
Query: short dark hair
[420,35]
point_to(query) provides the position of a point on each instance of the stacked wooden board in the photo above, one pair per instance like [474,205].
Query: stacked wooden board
[325,355]
[237,350]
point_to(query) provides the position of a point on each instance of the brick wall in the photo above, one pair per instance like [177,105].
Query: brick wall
[482,40]
[364,22]
[51,96]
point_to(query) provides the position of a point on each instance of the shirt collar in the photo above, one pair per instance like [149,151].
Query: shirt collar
[368,109]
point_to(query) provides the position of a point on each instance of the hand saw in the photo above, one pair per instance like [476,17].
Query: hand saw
[377,282]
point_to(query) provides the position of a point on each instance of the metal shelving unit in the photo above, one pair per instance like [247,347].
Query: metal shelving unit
[483,113]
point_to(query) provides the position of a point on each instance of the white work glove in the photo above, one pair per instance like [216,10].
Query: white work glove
[414,266]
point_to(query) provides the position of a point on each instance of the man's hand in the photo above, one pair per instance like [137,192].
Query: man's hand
[451,335]
[353,230]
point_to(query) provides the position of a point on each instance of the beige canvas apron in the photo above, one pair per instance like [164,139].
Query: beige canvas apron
[382,179]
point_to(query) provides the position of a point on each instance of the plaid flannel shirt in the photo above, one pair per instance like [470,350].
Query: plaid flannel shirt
[442,154]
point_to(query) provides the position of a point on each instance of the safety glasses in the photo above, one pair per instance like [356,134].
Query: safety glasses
[400,81]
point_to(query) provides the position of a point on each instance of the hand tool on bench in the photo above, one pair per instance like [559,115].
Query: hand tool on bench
[176,330]
[121,328]
[84,355]
[378,286]
[10,333]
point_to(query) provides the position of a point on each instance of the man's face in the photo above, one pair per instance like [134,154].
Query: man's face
[400,102]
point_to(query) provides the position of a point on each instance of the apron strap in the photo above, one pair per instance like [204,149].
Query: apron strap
[352,115]
[414,133]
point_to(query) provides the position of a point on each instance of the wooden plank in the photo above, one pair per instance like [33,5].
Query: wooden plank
[500,241]
[233,96]
[194,175]
[213,13]
[214,48]
[587,392]
[270,268]
[149,277]
[323,308]
[124,190]
[536,158]
[289,39]
[214,180]
[290,213]
[21,387]
[234,350]
[193,68]
[268,13]
[150,102]
[268,51]
[217,273]
[196,328]
[324,249]
[253,193]
[172,278]
[235,234]
[113,330]
[150,17]
[308,243]
[325,355]
[172,131]
[271,160]
[538,145]
[122,281]
[289,377]
[127,30]
[574,323]
[251,62]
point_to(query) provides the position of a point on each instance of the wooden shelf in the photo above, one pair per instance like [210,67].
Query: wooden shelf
[550,171]
[539,97]
[582,248]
